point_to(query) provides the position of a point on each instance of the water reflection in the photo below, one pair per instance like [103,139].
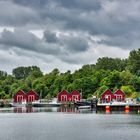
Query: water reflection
[43,109]
[60,110]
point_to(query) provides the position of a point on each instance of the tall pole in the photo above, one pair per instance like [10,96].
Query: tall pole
[81,94]
[40,95]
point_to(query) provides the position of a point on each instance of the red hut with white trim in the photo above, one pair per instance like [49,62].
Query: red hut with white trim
[63,96]
[107,96]
[119,95]
[19,97]
[75,95]
[32,96]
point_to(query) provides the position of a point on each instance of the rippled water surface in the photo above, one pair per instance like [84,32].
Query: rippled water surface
[67,124]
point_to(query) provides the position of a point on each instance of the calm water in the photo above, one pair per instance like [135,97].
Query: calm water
[67,124]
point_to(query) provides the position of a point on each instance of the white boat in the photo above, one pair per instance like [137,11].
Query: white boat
[52,103]
[19,104]
[115,103]
[84,107]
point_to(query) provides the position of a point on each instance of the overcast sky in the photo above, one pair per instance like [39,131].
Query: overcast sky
[66,34]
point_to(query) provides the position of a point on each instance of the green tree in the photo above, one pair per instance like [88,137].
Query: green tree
[134,62]
[128,90]
[107,63]
[24,72]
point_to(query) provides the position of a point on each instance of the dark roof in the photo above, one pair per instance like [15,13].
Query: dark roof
[32,91]
[106,91]
[18,92]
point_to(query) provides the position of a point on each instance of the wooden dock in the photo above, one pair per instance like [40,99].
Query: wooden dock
[129,107]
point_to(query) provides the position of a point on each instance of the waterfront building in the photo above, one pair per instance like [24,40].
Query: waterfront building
[107,96]
[20,96]
[75,95]
[32,96]
[65,96]
[119,95]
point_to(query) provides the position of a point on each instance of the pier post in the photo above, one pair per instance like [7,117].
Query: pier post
[127,109]
[107,109]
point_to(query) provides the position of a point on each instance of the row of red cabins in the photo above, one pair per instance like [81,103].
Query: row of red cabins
[32,96]
[65,96]
[108,96]
[21,96]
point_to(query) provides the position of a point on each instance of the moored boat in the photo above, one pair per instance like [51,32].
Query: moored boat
[84,107]
[53,103]
[19,104]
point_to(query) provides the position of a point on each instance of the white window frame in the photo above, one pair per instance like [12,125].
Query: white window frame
[21,97]
[31,97]
[64,97]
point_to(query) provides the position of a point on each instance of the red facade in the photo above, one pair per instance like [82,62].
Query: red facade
[107,96]
[20,96]
[64,96]
[75,95]
[32,96]
[119,95]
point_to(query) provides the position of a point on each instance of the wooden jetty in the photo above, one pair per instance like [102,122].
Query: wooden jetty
[119,107]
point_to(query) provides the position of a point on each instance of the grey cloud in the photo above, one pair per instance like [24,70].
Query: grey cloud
[15,15]
[72,4]
[50,37]
[68,43]
[27,41]
[22,39]
[75,44]
[117,20]
[113,17]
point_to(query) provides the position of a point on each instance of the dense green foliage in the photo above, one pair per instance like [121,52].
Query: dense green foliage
[112,73]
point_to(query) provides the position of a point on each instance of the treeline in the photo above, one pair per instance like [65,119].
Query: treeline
[112,73]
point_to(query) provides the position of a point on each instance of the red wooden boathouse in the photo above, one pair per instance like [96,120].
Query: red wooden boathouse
[65,96]
[107,96]
[20,96]
[119,95]
[75,95]
[32,96]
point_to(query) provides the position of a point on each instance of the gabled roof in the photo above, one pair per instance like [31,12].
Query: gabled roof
[75,91]
[63,92]
[118,91]
[108,90]
[32,91]
[20,91]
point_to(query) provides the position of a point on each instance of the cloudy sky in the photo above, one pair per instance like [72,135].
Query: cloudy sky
[66,34]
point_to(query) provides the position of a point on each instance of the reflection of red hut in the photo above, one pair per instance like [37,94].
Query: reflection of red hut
[63,96]
[75,95]
[107,96]
[32,96]
[119,95]
[20,96]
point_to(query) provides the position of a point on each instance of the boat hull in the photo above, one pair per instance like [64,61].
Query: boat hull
[45,105]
